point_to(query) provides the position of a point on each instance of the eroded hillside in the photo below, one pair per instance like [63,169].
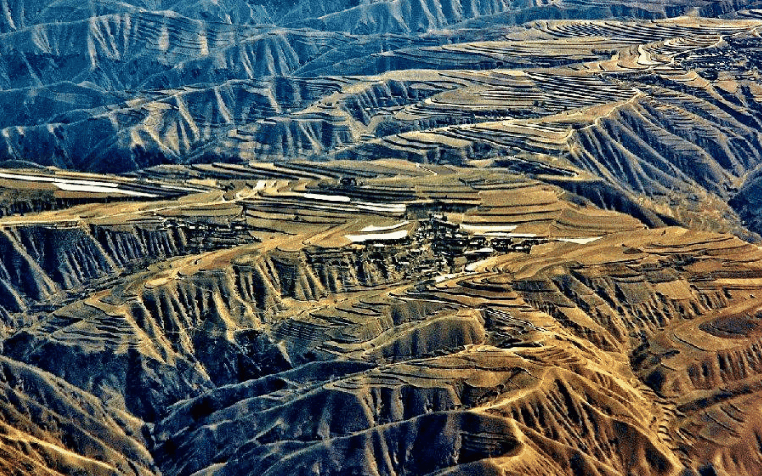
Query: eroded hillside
[379,317]
[403,237]
[663,112]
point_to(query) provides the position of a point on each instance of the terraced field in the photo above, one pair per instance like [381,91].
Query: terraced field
[380,238]
[662,111]
[379,317]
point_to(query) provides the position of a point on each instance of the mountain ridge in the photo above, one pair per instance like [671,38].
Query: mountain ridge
[407,237]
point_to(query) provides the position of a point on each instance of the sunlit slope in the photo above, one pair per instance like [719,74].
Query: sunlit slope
[280,341]
[402,237]
[353,16]
[664,113]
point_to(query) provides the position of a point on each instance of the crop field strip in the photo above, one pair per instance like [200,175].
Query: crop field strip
[504,245]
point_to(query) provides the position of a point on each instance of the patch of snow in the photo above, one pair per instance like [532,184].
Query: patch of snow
[488,228]
[501,234]
[73,185]
[580,241]
[176,187]
[397,235]
[28,178]
[327,198]
[471,268]
[444,277]
[480,250]
[382,207]
[385,228]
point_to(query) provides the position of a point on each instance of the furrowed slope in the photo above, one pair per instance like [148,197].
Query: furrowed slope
[277,343]
[404,237]
[665,111]
[166,327]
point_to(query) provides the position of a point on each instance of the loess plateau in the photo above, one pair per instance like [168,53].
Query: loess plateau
[381,237]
